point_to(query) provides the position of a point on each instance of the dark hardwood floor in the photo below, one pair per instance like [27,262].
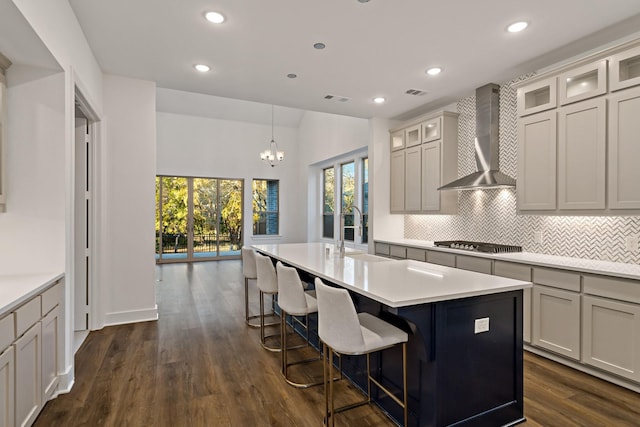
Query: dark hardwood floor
[199,365]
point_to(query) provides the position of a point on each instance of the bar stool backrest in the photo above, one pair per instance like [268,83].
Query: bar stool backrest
[249,263]
[338,324]
[290,290]
[267,281]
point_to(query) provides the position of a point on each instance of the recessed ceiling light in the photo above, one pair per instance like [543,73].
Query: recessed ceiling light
[215,17]
[292,76]
[202,68]
[434,71]
[363,1]
[517,26]
[379,100]
[319,45]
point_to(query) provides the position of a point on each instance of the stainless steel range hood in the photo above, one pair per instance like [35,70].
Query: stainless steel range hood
[486,145]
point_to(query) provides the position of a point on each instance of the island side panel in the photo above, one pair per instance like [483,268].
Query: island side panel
[480,366]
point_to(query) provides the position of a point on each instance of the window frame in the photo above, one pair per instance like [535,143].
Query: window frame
[322,203]
[336,163]
[265,212]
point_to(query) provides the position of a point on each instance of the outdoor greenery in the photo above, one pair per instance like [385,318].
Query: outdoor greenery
[213,200]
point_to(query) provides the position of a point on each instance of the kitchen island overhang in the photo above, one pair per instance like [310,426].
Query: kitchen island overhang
[466,362]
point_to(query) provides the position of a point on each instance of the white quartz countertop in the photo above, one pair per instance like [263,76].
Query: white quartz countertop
[607,268]
[395,283]
[17,289]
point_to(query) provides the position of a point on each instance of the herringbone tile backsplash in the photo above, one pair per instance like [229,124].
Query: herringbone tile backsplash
[491,215]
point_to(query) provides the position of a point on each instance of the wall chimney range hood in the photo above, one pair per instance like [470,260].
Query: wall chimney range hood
[486,145]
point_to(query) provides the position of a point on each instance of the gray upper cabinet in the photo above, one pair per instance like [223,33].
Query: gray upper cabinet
[583,82]
[582,155]
[624,69]
[430,161]
[536,97]
[397,140]
[537,161]
[397,181]
[579,156]
[624,150]
[412,179]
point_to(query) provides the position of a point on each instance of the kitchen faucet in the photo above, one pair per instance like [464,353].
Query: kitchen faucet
[352,207]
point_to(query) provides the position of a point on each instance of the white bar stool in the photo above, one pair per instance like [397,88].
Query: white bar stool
[268,285]
[344,331]
[249,272]
[295,302]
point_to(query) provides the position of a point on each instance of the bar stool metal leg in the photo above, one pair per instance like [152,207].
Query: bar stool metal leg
[263,337]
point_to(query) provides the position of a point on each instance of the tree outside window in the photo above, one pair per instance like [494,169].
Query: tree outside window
[265,207]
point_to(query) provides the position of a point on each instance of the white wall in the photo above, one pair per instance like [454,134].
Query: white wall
[384,224]
[207,147]
[128,290]
[33,229]
[323,137]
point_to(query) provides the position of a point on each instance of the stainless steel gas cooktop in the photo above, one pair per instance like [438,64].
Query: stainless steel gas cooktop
[493,248]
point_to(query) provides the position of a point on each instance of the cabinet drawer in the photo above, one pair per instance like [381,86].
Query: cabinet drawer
[382,249]
[512,270]
[620,289]
[480,265]
[441,258]
[557,279]
[398,251]
[417,254]
[27,315]
[51,298]
[7,331]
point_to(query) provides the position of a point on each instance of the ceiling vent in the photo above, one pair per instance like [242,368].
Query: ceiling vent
[416,92]
[337,98]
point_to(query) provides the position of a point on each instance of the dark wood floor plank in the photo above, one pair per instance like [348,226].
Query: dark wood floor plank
[199,365]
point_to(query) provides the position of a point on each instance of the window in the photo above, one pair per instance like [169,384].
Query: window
[347,198]
[365,200]
[328,202]
[265,207]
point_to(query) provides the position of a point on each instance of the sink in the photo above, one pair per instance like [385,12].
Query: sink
[366,257]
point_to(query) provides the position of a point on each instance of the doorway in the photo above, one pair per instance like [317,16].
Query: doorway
[198,219]
[83,223]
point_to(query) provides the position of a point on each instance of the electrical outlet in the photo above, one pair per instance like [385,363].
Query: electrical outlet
[481,325]
[537,237]
[631,243]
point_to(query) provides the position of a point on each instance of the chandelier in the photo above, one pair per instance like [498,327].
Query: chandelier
[272,156]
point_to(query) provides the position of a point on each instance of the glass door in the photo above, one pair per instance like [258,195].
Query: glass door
[198,218]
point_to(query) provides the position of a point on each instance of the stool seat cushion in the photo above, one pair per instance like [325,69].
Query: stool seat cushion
[378,334]
[348,332]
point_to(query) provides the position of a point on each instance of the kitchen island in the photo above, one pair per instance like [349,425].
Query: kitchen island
[465,332]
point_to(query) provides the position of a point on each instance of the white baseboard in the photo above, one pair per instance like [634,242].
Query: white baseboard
[133,316]
[65,382]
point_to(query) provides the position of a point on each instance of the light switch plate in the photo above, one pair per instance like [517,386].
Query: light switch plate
[631,243]
[537,237]
[481,325]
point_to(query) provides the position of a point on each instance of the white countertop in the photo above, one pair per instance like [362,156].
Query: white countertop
[16,289]
[616,269]
[395,283]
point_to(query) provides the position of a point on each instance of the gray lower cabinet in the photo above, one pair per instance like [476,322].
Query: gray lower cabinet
[417,254]
[556,320]
[518,272]
[382,249]
[611,336]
